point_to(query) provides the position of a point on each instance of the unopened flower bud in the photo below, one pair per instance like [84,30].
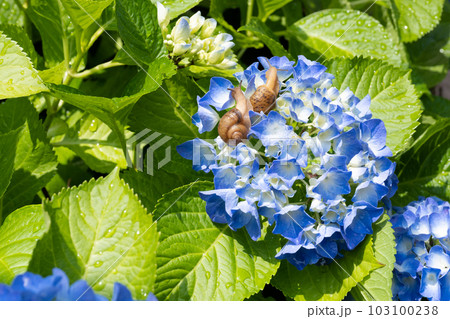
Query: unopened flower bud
[196,22]
[208,28]
[163,16]
[180,48]
[181,31]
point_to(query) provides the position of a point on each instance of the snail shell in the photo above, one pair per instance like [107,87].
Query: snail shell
[264,98]
[235,124]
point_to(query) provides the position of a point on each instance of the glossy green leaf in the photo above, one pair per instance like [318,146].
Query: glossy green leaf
[53,24]
[93,141]
[177,7]
[138,26]
[393,96]
[34,162]
[427,55]
[85,12]
[425,169]
[200,260]
[18,237]
[258,28]
[378,284]
[203,71]
[417,17]
[267,7]
[8,144]
[331,282]
[10,11]
[345,33]
[19,78]
[101,233]
[19,35]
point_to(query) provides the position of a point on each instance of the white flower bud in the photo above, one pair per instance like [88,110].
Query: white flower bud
[163,16]
[222,38]
[196,22]
[208,28]
[227,64]
[181,48]
[181,31]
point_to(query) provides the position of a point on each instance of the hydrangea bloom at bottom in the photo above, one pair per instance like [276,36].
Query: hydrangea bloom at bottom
[56,287]
[422,232]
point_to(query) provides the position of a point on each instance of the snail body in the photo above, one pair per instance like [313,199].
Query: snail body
[235,124]
[263,99]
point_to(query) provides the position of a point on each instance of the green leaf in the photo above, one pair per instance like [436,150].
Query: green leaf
[10,11]
[8,143]
[19,78]
[267,7]
[18,237]
[101,233]
[345,33]
[53,24]
[425,169]
[177,7]
[19,35]
[93,141]
[378,284]
[85,12]
[138,27]
[202,71]
[393,96]
[200,260]
[258,28]
[169,110]
[417,17]
[427,55]
[114,111]
[54,74]
[331,282]
[34,162]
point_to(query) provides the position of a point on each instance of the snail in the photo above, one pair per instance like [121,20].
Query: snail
[235,124]
[263,99]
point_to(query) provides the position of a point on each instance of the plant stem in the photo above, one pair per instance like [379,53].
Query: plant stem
[96,69]
[249,14]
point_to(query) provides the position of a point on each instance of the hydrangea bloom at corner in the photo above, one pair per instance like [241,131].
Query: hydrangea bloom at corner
[316,165]
[56,287]
[422,232]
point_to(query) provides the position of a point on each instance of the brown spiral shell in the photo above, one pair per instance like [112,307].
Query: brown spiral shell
[264,98]
[235,124]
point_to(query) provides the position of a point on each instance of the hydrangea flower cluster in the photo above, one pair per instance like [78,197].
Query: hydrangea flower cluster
[316,166]
[422,232]
[194,41]
[56,287]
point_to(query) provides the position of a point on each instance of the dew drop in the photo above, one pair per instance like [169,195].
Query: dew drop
[22,72]
[383,46]
[1,61]
[36,229]
[338,33]
[6,5]
[344,22]
[228,284]
[93,126]
[33,75]
[207,274]
[195,235]
[109,233]
[100,285]
[405,27]
[111,186]
[357,32]
[124,213]
[326,24]
[98,263]
[360,22]
[100,252]
[114,271]
[143,293]
[82,215]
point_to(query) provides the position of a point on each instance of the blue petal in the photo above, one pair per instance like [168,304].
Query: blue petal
[219,204]
[206,118]
[121,293]
[440,224]
[224,176]
[245,214]
[370,192]
[81,291]
[291,221]
[288,171]
[283,65]
[438,259]
[373,132]
[332,184]
[409,266]
[219,94]
[429,285]
[201,153]
[347,144]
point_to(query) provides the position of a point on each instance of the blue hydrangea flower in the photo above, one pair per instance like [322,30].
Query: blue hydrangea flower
[56,287]
[422,265]
[317,144]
